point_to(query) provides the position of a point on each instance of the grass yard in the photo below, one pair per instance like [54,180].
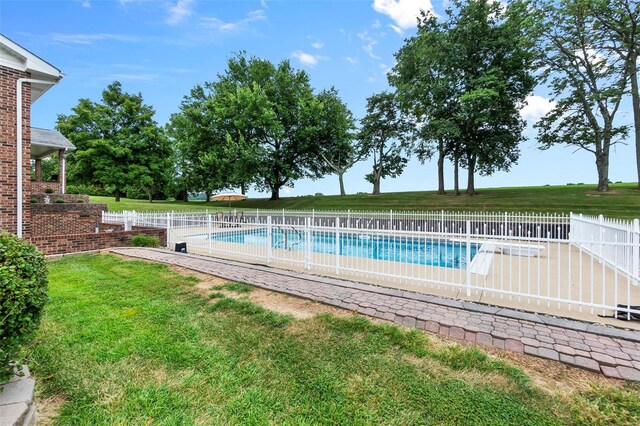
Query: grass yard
[622,202]
[131,342]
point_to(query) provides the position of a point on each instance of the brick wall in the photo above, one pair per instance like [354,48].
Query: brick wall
[66,218]
[58,244]
[68,198]
[8,185]
[40,187]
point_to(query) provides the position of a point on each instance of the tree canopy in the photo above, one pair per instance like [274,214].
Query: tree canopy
[465,79]
[118,143]
[260,124]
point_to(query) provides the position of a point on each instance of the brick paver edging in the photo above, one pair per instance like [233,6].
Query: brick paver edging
[611,351]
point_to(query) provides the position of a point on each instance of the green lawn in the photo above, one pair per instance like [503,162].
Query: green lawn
[129,342]
[622,202]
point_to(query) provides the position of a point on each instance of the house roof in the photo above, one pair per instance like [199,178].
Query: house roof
[14,56]
[45,142]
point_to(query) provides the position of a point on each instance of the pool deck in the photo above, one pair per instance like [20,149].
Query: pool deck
[614,352]
[559,271]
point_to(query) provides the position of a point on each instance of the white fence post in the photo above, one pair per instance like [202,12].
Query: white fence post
[269,240]
[209,236]
[307,243]
[635,251]
[468,258]
[337,245]
[168,231]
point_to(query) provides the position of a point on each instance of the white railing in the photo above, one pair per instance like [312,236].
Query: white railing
[555,226]
[518,260]
[603,235]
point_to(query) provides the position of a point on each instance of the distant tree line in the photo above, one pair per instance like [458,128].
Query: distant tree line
[459,85]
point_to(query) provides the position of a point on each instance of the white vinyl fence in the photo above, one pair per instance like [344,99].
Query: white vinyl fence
[558,264]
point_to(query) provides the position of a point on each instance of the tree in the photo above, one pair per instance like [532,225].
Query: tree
[586,79]
[117,143]
[335,139]
[465,79]
[201,162]
[423,90]
[267,113]
[381,134]
[620,22]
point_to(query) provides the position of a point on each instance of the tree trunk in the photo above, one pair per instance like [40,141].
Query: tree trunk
[635,101]
[275,193]
[376,185]
[471,185]
[150,194]
[243,188]
[341,179]
[441,168]
[602,164]
[185,196]
[456,175]
[208,195]
[118,194]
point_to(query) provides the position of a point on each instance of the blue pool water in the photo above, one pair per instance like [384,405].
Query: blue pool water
[394,248]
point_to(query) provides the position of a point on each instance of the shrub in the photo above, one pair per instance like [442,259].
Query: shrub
[23,294]
[49,190]
[34,200]
[319,194]
[59,200]
[145,241]
[79,200]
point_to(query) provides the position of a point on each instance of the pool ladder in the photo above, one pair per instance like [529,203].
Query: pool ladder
[285,241]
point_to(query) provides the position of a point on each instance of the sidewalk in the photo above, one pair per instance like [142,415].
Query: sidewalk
[612,351]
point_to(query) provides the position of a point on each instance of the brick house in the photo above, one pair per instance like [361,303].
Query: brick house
[38,211]
[24,77]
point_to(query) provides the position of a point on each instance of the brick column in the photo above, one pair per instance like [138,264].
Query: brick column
[38,169]
[8,128]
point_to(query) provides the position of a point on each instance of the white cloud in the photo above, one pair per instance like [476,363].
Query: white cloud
[217,24]
[351,60]
[536,107]
[369,43]
[134,77]
[317,44]
[179,11]
[376,24]
[86,3]
[306,58]
[403,12]
[397,29]
[91,38]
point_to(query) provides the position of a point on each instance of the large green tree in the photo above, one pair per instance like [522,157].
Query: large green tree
[259,124]
[334,137]
[587,80]
[465,78]
[382,133]
[200,160]
[422,78]
[619,21]
[118,143]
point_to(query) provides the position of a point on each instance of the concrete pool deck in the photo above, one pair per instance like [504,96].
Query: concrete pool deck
[614,352]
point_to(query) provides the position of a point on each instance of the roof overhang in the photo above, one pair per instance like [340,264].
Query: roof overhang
[46,142]
[14,56]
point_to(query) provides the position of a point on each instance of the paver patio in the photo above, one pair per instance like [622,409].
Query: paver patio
[614,352]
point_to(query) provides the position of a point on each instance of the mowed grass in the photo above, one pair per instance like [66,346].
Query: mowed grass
[130,342]
[623,201]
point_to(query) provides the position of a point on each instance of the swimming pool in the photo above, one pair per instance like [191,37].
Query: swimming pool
[422,251]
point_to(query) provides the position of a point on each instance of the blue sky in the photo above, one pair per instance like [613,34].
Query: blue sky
[163,48]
